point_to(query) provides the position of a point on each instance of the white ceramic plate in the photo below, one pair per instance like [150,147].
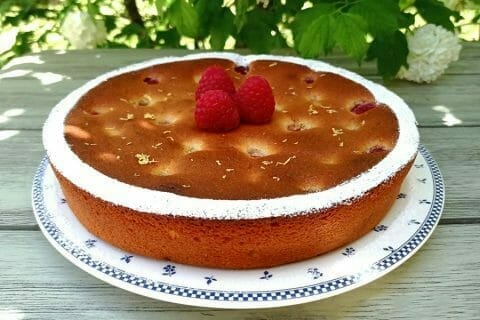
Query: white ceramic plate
[401,233]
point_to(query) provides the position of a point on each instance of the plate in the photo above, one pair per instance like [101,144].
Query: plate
[406,227]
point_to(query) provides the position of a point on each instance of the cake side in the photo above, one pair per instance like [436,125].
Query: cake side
[233,243]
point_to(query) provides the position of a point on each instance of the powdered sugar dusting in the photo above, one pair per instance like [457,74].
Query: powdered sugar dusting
[158,202]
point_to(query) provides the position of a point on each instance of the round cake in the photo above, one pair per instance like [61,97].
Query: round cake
[138,173]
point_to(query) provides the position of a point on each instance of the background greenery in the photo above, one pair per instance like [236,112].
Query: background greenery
[363,29]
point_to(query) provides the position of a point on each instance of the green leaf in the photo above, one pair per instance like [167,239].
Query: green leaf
[169,38]
[292,6]
[184,17]
[131,29]
[391,53]
[163,6]
[207,11]
[93,10]
[350,34]
[433,11]
[405,20]
[222,27]
[110,22]
[381,16]
[241,7]
[313,30]
[257,31]
[5,6]
[476,19]
[404,4]
[23,43]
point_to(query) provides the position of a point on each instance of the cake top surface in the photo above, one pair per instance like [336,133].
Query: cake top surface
[139,129]
[136,133]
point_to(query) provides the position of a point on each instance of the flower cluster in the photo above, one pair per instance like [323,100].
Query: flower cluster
[431,50]
[82,31]
[461,4]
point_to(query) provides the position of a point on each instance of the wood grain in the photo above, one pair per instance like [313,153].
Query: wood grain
[432,284]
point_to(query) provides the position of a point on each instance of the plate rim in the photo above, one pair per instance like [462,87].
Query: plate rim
[238,299]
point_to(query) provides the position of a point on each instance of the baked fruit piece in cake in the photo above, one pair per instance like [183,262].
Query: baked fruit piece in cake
[319,175]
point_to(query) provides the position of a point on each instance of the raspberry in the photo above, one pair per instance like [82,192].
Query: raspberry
[216,111]
[255,100]
[214,78]
[363,107]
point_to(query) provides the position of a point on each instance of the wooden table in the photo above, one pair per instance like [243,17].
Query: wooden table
[441,281]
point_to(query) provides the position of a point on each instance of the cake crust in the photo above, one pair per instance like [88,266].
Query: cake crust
[232,244]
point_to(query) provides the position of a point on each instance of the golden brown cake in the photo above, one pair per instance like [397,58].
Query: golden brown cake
[139,174]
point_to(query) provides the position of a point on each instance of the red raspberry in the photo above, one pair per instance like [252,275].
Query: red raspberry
[255,100]
[216,111]
[214,78]
[362,107]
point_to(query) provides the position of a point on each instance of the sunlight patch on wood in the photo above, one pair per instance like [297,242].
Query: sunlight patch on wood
[449,119]
[48,78]
[7,134]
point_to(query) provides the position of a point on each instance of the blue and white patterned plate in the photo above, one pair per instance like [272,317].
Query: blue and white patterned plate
[401,233]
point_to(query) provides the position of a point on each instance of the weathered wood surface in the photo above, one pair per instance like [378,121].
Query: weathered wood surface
[441,281]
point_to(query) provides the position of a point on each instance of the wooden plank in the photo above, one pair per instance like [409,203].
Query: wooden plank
[458,157]
[19,158]
[456,152]
[39,283]
[457,91]
[102,59]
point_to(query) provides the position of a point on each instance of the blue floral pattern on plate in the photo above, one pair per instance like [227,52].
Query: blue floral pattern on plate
[266,275]
[251,288]
[348,252]
[90,243]
[380,228]
[315,273]
[169,270]
[127,258]
[210,279]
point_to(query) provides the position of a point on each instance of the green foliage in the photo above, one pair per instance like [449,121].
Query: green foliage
[362,29]
[390,52]
[313,30]
[371,10]
[185,18]
[350,33]
[433,11]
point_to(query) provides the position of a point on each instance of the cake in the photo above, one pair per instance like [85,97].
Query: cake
[138,173]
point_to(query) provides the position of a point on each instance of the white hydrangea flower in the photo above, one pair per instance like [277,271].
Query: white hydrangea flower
[82,31]
[459,5]
[431,50]
[451,4]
